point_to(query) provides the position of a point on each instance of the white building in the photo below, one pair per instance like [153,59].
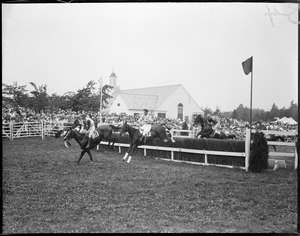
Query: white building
[171,101]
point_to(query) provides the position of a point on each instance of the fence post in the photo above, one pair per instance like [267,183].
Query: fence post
[43,129]
[172,155]
[145,152]
[11,130]
[247,148]
[97,147]
[205,159]
[120,151]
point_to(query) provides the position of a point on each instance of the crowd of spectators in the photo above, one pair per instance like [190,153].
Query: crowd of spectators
[227,125]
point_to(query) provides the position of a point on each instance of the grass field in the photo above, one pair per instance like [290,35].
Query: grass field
[46,191]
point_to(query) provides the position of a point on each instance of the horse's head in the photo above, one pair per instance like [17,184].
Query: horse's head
[200,120]
[59,133]
[124,128]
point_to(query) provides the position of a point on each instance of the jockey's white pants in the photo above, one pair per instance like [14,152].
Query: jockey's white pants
[146,128]
[91,131]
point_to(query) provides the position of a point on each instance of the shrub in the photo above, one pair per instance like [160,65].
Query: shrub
[259,153]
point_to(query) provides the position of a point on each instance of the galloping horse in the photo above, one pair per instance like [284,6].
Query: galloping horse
[104,132]
[157,131]
[207,130]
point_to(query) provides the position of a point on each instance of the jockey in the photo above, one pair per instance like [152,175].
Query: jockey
[214,121]
[145,121]
[89,126]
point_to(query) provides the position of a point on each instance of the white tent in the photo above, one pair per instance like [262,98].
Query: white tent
[286,120]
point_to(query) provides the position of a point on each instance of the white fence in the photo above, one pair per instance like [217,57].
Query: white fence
[44,128]
[31,129]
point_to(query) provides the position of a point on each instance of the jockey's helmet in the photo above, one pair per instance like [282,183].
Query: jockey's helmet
[146,110]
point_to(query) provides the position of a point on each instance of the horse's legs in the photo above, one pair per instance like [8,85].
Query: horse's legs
[90,154]
[113,144]
[81,155]
[129,151]
[126,154]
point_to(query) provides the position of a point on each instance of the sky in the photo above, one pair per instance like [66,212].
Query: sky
[199,45]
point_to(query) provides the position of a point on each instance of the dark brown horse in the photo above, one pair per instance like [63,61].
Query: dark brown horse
[206,129]
[104,132]
[157,131]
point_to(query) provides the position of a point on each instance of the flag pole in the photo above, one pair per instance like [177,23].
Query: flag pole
[251,99]
[100,111]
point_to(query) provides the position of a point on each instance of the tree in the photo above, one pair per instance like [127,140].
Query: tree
[274,112]
[58,102]
[207,111]
[217,111]
[293,110]
[15,95]
[87,99]
[39,101]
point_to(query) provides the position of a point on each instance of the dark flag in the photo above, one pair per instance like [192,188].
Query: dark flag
[247,66]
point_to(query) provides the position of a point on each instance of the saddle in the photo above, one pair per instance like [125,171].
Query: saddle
[148,134]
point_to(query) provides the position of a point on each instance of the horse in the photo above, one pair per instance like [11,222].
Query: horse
[231,136]
[207,130]
[157,131]
[104,132]
[75,124]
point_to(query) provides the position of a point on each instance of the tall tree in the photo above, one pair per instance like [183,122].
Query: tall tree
[274,112]
[39,101]
[88,99]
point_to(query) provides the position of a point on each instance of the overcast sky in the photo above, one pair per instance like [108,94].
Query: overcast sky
[199,45]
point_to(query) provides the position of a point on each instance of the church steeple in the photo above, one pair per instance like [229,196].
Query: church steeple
[113,80]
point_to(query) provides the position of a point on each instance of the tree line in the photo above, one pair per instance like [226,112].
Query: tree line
[85,99]
[88,99]
[243,113]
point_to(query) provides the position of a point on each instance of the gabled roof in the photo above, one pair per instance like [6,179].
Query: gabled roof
[139,101]
[160,92]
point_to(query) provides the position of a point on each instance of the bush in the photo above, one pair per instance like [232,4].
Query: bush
[259,153]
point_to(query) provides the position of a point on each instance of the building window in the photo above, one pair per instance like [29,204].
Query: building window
[161,115]
[180,111]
